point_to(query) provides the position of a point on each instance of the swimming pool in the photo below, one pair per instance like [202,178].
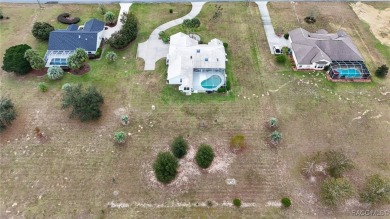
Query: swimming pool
[349,72]
[211,82]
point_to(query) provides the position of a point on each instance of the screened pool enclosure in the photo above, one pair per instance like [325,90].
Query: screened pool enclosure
[348,70]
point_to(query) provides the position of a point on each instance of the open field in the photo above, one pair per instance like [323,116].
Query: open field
[79,169]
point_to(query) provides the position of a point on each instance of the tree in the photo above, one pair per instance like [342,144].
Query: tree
[55,73]
[382,71]
[109,17]
[76,60]
[204,156]
[7,113]
[14,60]
[127,34]
[165,167]
[41,30]
[85,103]
[179,147]
[334,191]
[376,190]
[337,163]
[33,58]
[281,59]
[276,137]
[111,56]
[191,24]
[120,137]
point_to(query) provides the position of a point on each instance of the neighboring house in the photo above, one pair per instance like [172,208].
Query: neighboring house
[196,67]
[62,43]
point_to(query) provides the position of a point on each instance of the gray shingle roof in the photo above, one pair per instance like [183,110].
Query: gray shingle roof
[71,38]
[312,47]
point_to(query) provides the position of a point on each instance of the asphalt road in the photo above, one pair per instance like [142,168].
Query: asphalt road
[157,1]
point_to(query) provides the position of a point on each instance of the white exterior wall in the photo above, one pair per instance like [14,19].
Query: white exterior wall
[100,37]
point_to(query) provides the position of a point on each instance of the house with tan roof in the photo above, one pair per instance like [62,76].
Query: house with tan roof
[195,67]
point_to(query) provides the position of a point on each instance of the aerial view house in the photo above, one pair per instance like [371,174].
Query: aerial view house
[196,67]
[62,43]
[320,49]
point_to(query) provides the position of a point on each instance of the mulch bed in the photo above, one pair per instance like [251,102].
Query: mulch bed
[83,70]
[41,72]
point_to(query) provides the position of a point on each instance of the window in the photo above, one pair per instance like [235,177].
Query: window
[186,88]
[198,51]
[180,80]
[206,59]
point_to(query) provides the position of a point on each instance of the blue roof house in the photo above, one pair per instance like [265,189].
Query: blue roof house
[63,43]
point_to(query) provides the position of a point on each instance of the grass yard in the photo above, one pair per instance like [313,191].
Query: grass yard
[79,171]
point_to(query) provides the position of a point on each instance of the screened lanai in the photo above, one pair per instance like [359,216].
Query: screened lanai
[348,70]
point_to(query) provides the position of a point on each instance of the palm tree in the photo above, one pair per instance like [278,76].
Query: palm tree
[109,17]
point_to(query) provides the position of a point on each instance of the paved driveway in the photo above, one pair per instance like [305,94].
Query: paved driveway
[154,49]
[124,9]
[272,38]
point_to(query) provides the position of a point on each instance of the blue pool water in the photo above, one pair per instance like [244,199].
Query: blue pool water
[349,72]
[211,82]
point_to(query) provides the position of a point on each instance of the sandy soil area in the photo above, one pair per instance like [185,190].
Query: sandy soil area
[379,20]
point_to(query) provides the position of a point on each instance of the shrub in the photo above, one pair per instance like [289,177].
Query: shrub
[85,103]
[286,202]
[41,30]
[225,45]
[382,71]
[111,56]
[204,156]
[337,163]
[171,10]
[286,36]
[14,60]
[76,60]
[125,119]
[55,73]
[165,167]
[273,122]
[310,164]
[7,113]
[276,137]
[164,37]
[33,58]
[127,34]
[237,202]
[179,147]
[281,59]
[66,86]
[120,137]
[64,18]
[334,191]
[195,22]
[109,17]
[237,142]
[42,87]
[102,9]
[376,190]
[98,53]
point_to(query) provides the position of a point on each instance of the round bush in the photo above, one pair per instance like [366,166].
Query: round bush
[281,59]
[42,87]
[276,137]
[179,147]
[14,60]
[204,156]
[286,36]
[55,73]
[225,45]
[111,56]
[64,18]
[237,202]
[286,202]
[41,30]
[66,86]
[120,137]
[165,167]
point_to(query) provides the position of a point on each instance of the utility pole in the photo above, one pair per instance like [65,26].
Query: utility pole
[40,6]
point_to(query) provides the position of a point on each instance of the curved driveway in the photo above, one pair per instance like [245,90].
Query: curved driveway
[154,49]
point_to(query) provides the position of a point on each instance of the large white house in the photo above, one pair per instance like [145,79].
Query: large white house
[196,67]
[319,49]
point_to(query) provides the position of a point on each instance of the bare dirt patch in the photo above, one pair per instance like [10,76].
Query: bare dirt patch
[379,20]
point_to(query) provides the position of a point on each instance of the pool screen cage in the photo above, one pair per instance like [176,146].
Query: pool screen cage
[347,70]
